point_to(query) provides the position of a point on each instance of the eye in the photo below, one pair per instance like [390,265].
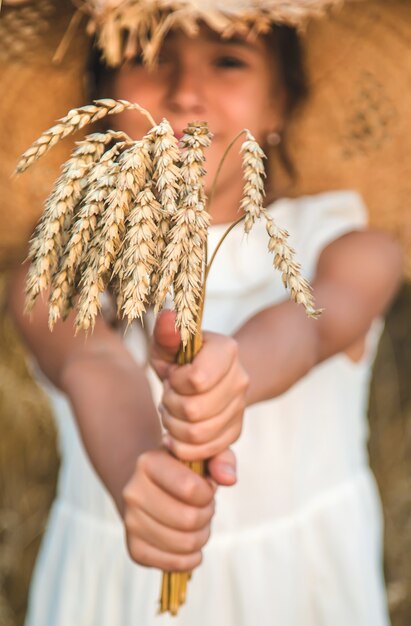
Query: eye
[229,62]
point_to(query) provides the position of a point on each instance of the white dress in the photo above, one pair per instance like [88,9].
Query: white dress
[297,542]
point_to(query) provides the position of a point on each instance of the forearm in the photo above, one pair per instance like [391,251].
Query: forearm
[357,277]
[278,346]
[112,401]
[108,390]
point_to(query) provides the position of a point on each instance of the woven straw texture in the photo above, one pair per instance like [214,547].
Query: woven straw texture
[34,92]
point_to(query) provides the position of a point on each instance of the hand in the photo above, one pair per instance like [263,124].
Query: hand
[167,512]
[203,402]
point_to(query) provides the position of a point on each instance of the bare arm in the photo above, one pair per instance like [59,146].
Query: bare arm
[357,277]
[107,389]
[166,508]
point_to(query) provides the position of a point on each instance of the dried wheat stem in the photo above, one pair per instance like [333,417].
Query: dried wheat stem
[97,185]
[51,234]
[218,246]
[190,230]
[73,121]
[220,167]
[184,220]
[284,261]
[254,175]
[132,171]
[102,250]
[167,179]
[138,256]
[136,170]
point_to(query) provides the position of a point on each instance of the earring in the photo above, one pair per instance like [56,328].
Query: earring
[273,138]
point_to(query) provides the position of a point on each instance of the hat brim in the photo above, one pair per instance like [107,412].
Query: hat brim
[355,131]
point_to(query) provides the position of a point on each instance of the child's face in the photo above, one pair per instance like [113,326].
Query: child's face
[231,84]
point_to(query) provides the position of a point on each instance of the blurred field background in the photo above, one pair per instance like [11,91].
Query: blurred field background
[29,462]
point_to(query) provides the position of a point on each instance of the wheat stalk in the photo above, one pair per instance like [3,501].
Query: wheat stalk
[102,249]
[73,121]
[254,174]
[283,253]
[136,170]
[184,254]
[51,234]
[138,258]
[97,186]
[167,179]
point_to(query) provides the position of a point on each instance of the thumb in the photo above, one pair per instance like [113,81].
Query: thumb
[223,468]
[165,344]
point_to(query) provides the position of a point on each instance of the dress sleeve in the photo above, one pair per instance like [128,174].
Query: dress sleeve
[325,218]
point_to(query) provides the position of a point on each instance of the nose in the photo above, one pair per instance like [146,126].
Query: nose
[186,94]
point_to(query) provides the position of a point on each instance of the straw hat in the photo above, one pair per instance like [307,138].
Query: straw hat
[355,131]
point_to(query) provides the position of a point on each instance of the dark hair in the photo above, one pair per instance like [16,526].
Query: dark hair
[98,73]
[288,49]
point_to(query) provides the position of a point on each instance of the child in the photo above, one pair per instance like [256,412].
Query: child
[297,540]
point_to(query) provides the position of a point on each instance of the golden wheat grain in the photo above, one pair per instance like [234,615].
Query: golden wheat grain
[51,234]
[254,174]
[131,172]
[175,236]
[188,283]
[167,179]
[135,170]
[101,252]
[284,261]
[73,121]
[138,254]
[98,184]
[189,233]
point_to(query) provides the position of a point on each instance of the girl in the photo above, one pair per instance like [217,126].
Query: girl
[296,541]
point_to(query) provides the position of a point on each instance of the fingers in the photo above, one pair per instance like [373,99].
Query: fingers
[165,344]
[163,537]
[145,554]
[176,479]
[154,502]
[190,452]
[195,408]
[204,431]
[203,402]
[223,468]
[210,365]
[165,527]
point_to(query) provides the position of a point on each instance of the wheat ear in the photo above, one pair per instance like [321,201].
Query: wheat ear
[97,186]
[254,175]
[167,180]
[73,121]
[51,234]
[283,253]
[102,249]
[138,255]
[136,258]
[190,229]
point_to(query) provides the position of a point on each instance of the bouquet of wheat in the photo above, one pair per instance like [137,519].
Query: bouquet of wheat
[131,216]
